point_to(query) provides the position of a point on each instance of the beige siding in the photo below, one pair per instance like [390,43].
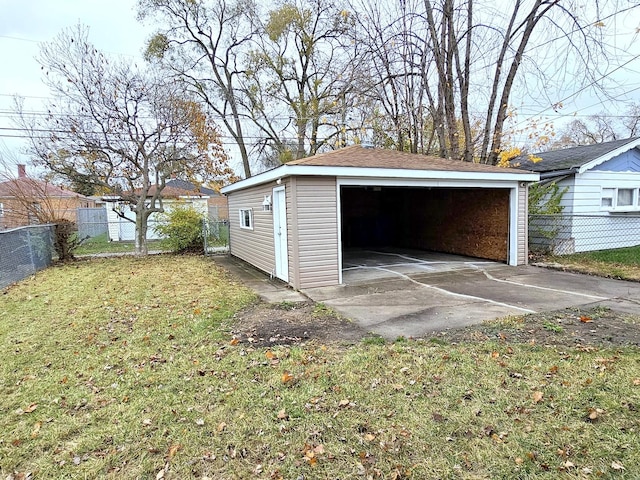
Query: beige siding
[316,215]
[523,223]
[254,246]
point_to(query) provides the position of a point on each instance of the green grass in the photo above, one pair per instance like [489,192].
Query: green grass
[101,244]
[621,263]
[123,368]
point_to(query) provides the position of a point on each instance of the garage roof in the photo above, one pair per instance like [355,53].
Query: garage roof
[358,161]
[358,156]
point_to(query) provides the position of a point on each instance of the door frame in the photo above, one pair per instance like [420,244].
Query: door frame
[280,240]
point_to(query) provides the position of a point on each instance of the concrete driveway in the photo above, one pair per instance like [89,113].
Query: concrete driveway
[414,293]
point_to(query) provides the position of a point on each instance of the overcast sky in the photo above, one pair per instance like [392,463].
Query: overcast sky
[26,23]
[114,29]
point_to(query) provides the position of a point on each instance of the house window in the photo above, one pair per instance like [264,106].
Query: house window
[620,199]
[1,209]
[607,197]
[625,197]
[246,218]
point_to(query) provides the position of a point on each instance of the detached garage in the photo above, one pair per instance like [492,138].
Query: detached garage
[296,221]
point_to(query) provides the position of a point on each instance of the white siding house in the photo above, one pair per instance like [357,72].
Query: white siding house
[602,201]
[121,219]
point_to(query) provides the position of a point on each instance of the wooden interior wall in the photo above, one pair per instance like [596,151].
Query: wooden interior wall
[464,221]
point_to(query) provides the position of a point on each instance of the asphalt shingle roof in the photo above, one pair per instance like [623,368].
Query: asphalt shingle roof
[358,156]
[569,158]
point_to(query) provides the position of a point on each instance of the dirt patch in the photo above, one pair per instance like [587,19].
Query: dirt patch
[572,327]
[289,323]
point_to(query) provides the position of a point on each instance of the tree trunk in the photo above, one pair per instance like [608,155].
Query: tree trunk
[141,234]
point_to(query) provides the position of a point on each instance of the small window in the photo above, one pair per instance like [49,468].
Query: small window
[1,209]
[607,197]
[246,218]
[625,197]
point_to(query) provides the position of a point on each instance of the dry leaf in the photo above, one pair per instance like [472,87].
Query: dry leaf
[636,381]
[519,461]
[221,426]
[495,354]
[369,437]
[585,319]
[270,355]
[616,465]
[28,409]
[537,396]
[234,341]
[200,421]
[344,403]
[282,415]
[286,377]
[146,422]
[36,429]
[173,449]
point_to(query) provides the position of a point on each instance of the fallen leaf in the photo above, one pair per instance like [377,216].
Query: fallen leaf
[234,341]
[36,429]
[369,437]
[146,422]
[200,422]
[495,354]
[344,402]
[537,396]
[286,377]
[519,461]
[585,319]
[568,464]
[173,449]
[636,381]
[282,415]
[270,355]
[617,465]
[221,426]
[28,409]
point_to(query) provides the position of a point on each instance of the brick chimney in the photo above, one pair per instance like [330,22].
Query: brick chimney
[22,171]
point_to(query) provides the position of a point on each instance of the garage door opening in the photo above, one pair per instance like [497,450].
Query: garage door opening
[472,222]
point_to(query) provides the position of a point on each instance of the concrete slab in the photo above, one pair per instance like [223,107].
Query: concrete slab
[268,289]
[414,293]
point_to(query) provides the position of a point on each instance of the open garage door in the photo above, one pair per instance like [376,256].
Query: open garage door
[465,221]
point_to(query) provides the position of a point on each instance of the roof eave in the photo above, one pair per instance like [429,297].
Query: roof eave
[608,156]
[376,172]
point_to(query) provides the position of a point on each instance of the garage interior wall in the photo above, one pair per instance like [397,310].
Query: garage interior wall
[464,221]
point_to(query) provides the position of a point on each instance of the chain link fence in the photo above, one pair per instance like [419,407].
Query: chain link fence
[216,236]
[565,234]
[24,251]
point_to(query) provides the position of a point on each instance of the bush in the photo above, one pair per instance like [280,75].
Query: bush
[181,228]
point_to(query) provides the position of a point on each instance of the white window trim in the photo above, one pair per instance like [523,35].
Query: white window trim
[1,209]
[614,208]
[241,212]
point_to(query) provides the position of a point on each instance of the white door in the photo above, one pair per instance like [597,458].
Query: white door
[280,233]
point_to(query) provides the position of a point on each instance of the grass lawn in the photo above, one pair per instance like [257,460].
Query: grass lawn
[123,368]
[617,263]
[101,244]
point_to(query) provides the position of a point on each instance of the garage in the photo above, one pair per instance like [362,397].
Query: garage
[297,222]
[463,221]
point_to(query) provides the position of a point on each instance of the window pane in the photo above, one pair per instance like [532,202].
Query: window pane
[625,197]
[607,197]
[607,202]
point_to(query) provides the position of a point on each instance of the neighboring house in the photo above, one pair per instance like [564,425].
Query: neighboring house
[218,206]
[122,220]
[28,201]
[601,208]
[296,221]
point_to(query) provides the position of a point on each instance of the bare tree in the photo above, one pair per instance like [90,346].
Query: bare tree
[469,55]
[204,45]
[301,67]
[121,126]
